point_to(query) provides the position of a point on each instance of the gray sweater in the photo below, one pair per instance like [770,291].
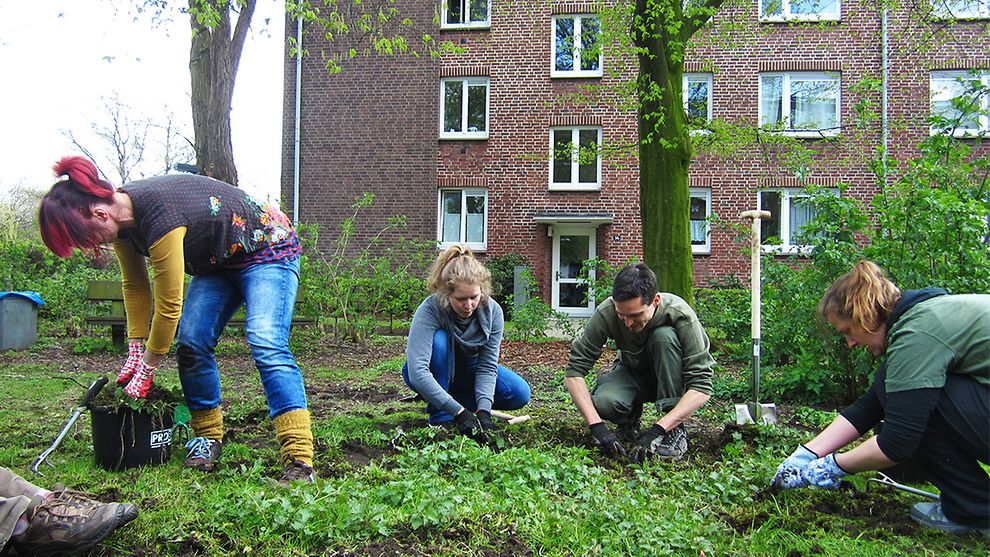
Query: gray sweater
[480,335]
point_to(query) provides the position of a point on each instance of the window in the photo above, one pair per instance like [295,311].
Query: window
[698,98]
[803,104]
[463,218]
[576,50]
[465,13]
[701,210]
[960,103]
[464,108]
[799,10]
[575,159]
[961,9]
[790,210]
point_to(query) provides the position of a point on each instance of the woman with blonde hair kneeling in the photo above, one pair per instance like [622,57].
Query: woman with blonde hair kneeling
[453,348]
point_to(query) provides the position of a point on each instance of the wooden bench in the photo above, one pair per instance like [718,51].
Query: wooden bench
[113,291]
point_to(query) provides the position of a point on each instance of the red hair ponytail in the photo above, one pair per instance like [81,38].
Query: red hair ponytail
[82,173]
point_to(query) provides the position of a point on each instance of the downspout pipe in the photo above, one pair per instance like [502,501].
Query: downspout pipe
[297,131]
[885,84]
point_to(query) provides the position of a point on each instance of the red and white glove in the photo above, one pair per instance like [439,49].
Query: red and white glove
[140,384]
[135,352]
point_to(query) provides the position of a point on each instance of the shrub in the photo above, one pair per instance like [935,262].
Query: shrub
[503,268]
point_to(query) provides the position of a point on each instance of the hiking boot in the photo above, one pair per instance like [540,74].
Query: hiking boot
[674,444]
[203,454]
[297,471]
[930,515]
[69,522]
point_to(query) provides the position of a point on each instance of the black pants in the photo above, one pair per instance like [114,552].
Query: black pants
[957,439]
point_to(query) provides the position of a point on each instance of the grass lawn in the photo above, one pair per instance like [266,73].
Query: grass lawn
[390,485]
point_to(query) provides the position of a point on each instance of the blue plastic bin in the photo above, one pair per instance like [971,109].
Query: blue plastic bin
[19,319]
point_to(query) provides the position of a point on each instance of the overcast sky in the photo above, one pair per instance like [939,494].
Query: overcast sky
[58,58]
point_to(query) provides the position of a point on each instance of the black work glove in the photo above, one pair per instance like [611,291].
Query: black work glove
[646,445]
[487,425]
[607,441]
[468,425]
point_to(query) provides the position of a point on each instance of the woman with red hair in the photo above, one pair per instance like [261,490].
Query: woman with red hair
[238,252]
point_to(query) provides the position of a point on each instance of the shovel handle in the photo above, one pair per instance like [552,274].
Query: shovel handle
[94,389]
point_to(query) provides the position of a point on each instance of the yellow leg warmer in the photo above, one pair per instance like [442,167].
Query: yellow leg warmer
[207,423]
[295,436]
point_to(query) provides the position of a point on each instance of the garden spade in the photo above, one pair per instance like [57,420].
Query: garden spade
[755,411]
[91,393]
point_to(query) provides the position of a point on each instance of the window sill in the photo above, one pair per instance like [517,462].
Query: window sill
[801,19]
[787,249]
[575,187]
[808,134]
[948,18]
[466,26]
[464,136]
[967,133]
[475,247]
[701,250]
[554,74]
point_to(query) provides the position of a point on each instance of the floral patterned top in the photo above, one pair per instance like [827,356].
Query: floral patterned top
[225,226]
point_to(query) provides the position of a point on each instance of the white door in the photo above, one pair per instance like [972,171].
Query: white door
[572,246]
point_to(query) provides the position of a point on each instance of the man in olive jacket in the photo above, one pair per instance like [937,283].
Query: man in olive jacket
[663,358]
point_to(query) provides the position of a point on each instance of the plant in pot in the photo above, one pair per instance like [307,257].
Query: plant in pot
[130,432]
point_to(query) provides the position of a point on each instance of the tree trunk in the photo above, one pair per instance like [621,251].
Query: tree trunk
[664,158]
[213,61]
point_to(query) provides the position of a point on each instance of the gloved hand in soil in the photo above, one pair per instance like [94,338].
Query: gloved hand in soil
[135,352]
[487,425]
[789,473]
[646,445]
[824,473]
[608,442]
[140,383]
[469,425]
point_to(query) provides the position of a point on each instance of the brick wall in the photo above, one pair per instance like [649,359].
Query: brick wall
[371,128]
[375,126]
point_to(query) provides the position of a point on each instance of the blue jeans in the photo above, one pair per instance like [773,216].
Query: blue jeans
[455,373]
[268,293]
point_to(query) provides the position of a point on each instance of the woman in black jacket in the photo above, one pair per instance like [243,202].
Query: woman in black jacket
[932,392]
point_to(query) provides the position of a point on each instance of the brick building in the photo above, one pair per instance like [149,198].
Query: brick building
[462,144]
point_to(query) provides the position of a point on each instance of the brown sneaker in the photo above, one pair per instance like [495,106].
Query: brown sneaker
[203,453]
[297,471]
[69,522]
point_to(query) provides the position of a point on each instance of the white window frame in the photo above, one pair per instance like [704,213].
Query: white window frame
[690,78]
[706,194]
[785,101]
[466,83]
[574,184]
[942,11]
[786,13]
[462,233]
[983,126]
[787,245]
[466,10]
[576,55]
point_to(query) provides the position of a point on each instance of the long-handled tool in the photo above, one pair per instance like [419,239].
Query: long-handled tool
[512,420]
[755,411]
[884,479]
[91,393]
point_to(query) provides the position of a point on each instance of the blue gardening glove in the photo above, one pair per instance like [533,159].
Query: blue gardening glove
[824,473]
[789,473]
